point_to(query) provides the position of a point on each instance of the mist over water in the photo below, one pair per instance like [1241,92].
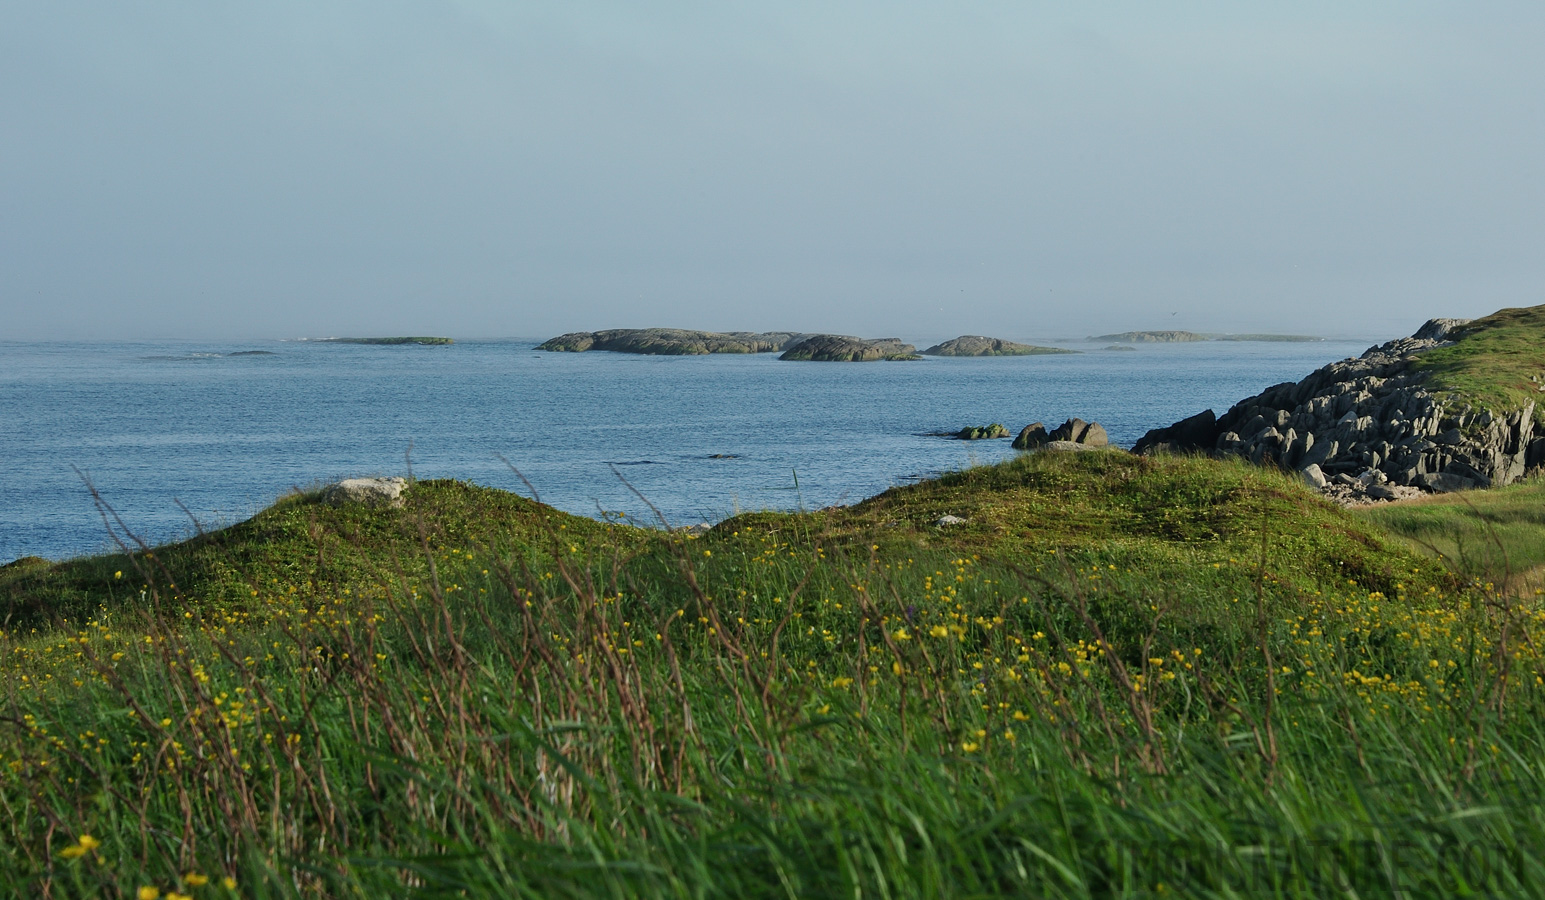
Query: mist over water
[225,432]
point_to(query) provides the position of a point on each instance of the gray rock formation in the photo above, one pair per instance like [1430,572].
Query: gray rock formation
[842,348]
[1087,435]
[1031,437]
[1080,432]
[672,341]
[976,345]
[366,491]
[1367,415]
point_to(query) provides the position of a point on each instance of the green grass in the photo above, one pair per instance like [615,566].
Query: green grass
[1123,677]
[298,542]
[1496,534]
[1493,361]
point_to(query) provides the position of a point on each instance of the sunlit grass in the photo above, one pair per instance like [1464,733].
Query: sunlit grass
[795,705]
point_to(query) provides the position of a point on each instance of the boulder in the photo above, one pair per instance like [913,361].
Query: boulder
[1095,436]
[1198,433]
[1031,437]
[1313,476]
[366,491]
[947,520]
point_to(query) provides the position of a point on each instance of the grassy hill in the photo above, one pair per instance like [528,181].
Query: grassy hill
[1498,361]
[1120,676]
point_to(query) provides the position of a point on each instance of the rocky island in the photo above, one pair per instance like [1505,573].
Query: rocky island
[976,345]
[1149,337]
[388,341]
[1452,407]
[672,341]
[1188,337]
[842,348]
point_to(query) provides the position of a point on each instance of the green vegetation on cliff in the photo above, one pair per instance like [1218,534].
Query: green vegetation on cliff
[1118,673]
[1497,362]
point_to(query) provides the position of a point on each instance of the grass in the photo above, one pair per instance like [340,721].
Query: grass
[1122,677]
[1493,362]
[1496,535]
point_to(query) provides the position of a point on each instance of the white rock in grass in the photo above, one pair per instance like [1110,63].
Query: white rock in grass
[944,520]
[369,491]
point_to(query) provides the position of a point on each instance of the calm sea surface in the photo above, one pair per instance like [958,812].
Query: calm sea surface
[224,433]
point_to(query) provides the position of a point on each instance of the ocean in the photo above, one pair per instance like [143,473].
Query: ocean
[177,436]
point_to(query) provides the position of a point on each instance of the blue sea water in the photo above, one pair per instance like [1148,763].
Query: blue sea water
[157,427]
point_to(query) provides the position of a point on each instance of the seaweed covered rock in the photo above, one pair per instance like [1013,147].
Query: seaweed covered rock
[982,433]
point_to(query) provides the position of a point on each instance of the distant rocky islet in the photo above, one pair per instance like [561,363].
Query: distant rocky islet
[977,345]
[793,345]
[1190,337]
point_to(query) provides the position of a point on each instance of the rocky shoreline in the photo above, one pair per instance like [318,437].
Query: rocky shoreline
[1370,429]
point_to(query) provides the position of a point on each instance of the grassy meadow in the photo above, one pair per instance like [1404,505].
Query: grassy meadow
[1495,535]
[1120,677]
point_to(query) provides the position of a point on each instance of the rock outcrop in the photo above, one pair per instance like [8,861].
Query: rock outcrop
[366,491]
[1087,435]
[1370,425]
[842,348]
[1031,437]
[672,341]
[976,345]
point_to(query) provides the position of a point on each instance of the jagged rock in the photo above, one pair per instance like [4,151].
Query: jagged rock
[842,348]
[1196,433]
[1313,476]
[366,491]
[1080,432]
[1371,413]
[1031,437]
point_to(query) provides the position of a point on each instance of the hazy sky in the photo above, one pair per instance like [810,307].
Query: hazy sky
[486,169]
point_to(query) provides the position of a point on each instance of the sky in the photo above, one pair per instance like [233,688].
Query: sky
[217,170]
